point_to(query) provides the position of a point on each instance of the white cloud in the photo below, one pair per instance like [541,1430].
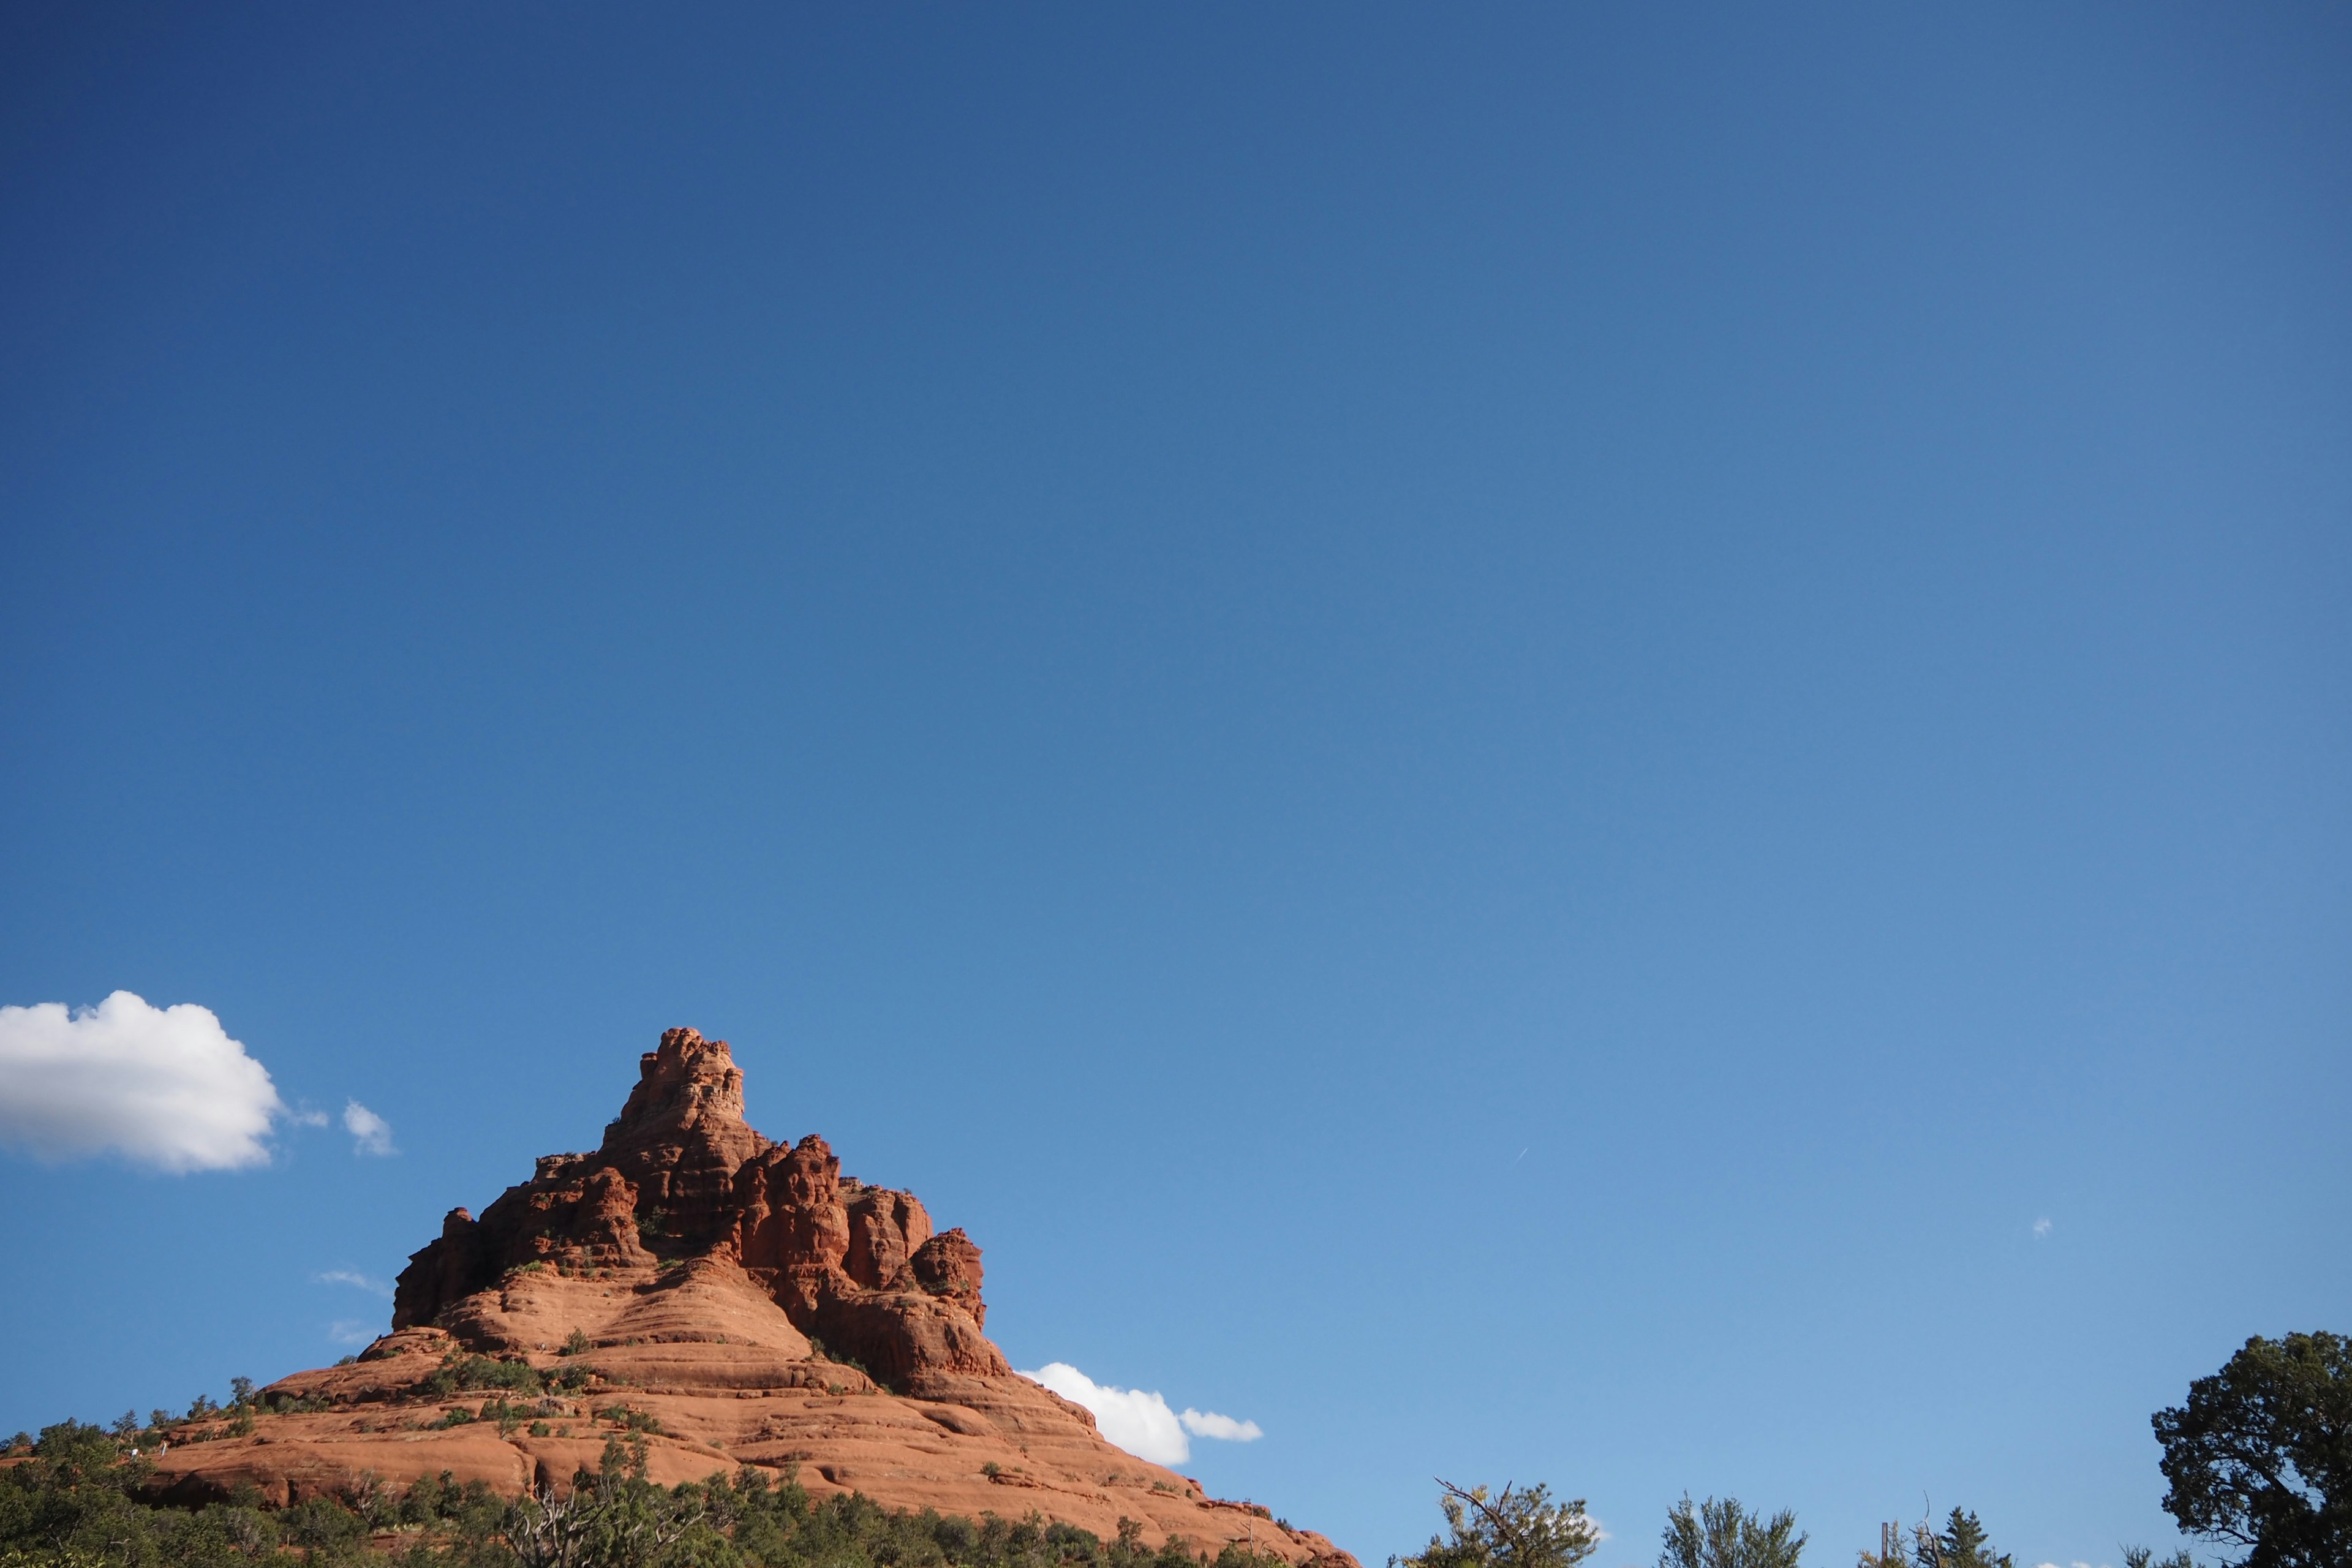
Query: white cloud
[2041,1231]
[354,1278]
[1224,1428]
[370,1133]
[349,1332]
[1140,1422]
[161,1085]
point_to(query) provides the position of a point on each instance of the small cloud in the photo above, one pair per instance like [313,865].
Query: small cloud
[306,1117]
[1131,1418]
[349,1332]
[354,1278]
[163,1087]
[1139,1421]
[2041,1232]
[370,1133]
[1224,1428]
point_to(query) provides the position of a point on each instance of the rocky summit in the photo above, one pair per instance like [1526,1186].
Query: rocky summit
[708,1299]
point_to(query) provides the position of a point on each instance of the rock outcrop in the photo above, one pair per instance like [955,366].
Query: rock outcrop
[725,1300]
[681,1176]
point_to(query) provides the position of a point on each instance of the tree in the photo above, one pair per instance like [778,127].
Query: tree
[1890,1552]
[1515,1529]
[2262,1454]
[2141,1557]
[551,1532]
[1962,1544]
[1725,1535]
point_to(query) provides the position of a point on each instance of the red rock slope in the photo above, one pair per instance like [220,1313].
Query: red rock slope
[757,1305]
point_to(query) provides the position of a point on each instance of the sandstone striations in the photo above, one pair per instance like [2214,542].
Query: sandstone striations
[723,1301]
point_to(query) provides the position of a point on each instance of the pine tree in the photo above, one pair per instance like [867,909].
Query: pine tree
[1962,1544]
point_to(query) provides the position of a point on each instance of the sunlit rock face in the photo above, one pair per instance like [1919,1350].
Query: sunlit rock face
[681,1176]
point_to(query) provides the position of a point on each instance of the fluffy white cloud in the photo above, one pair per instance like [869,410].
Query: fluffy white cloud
[1140,1422]
[1224,1428]
[163,1085]
[370,1133]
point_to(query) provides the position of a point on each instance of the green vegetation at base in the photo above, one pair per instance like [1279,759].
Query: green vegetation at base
[74,1504]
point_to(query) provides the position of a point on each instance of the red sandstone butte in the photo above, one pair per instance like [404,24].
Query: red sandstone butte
[703,1267]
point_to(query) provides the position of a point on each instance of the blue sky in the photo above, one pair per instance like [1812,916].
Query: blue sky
[1543,745]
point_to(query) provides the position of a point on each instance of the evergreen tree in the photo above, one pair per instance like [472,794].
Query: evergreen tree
[1962,1544]
[1725,1535]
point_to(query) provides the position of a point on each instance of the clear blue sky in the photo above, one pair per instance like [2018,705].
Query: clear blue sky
[1499,733]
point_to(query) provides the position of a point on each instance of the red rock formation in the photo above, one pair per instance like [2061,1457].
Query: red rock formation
[947,1266]
[885,1229]
[679,1176]
[702,1266]
[681,1137]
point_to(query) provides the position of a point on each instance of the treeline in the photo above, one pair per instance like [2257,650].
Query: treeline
[71,1500]
[1525,1529]
[2258,1460]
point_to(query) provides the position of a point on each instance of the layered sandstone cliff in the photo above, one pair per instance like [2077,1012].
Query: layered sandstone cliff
[723,1300]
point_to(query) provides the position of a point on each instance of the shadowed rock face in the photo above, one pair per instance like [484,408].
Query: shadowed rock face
[681,1177]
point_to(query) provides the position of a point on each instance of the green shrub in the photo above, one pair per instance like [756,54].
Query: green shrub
[507,1417]
[462,1374]
[631,1419]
